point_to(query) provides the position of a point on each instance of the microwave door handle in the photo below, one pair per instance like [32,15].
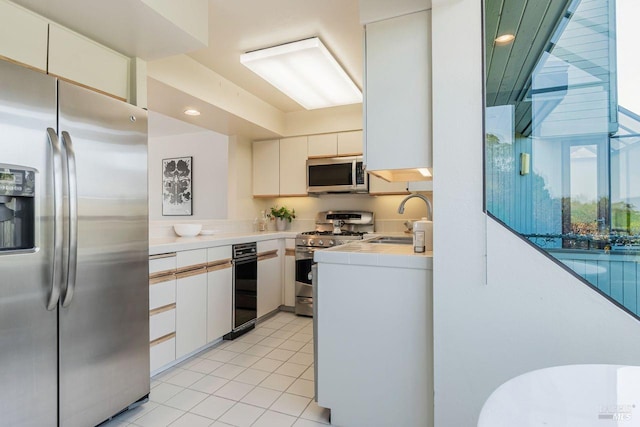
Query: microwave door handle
[354,174]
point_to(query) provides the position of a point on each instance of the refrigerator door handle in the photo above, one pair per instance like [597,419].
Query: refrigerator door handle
[73,220]
[58,216]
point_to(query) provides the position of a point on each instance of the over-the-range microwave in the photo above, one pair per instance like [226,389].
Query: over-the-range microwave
[337,175]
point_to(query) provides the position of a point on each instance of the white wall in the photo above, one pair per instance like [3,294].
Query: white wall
[241,204]
[509,310]
[385,208]
[209,150]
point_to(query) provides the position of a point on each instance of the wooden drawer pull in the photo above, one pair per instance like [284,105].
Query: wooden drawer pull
[201,270]
[160,256]
[268,255]
[219,262]
[289,252]
[217,267]
[161,273]
[162,309]
[160,279]
[189,268]
[162,339]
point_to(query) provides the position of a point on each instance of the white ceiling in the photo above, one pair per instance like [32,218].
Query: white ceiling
[238,26]
[235,27]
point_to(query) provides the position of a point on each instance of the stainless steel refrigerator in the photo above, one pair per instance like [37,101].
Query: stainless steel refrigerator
[74,299]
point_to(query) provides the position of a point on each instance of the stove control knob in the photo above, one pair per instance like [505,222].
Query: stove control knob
[332,242]
[311,242]
[321,243]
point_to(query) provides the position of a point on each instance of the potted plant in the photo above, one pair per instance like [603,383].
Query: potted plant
[281,215]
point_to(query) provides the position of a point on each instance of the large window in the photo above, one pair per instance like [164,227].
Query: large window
[563,133]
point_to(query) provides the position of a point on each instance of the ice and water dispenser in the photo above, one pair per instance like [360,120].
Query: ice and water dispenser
[17,208]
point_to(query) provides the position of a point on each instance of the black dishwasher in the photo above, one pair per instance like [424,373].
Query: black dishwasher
[245,289]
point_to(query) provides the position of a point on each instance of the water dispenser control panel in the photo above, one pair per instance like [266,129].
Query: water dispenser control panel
[17,208]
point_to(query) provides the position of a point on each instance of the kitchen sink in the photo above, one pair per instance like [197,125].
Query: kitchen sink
[397,240]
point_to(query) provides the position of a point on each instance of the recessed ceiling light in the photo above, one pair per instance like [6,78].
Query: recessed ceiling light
[192,112]
[505,39]
[306,72]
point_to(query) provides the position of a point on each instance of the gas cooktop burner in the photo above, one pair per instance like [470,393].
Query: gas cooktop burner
[331,233]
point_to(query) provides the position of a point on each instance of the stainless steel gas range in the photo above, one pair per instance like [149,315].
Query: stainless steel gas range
[333,228]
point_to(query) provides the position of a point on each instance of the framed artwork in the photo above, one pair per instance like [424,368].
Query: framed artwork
[177,196]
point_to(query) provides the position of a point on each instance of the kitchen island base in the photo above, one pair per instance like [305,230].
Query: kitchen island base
[375,345]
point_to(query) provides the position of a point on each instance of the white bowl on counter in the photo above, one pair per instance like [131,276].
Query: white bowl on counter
[187,230]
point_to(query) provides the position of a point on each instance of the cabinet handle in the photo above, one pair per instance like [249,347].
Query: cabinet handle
[268,255]
[190,268]
[190,273]
[162,279]
[162,309]
[162,339]
[160,256]
[220,266]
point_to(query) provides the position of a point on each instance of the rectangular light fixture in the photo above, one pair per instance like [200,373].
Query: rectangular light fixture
[306,72]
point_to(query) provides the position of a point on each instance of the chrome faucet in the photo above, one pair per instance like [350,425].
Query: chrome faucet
[419,196]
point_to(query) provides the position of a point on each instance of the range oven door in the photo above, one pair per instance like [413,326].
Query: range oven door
[304,288]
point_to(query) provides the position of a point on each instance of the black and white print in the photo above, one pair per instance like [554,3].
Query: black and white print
[177,196]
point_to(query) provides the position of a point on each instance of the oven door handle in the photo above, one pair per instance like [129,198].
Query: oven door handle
[304,253]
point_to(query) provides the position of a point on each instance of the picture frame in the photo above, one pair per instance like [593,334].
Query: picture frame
[177,193]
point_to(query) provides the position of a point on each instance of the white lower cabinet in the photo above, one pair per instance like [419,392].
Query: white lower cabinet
[162,352]
[191,311]
[162,323]
[219,293]
[269,277]
[290,273]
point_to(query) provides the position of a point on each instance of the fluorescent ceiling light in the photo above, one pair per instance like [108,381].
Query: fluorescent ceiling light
[424,172]
[192,112]
[306,72]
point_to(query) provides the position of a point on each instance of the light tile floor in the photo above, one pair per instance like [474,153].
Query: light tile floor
[261,379]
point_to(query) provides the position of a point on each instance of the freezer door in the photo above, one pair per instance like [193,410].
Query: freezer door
[104,320]
[28,331]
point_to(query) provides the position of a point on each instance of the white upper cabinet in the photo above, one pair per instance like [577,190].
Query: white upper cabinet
[32,40]
[398,94]
[23,36]
[266,168]
[293,166]
[323,145]
[280,167]
[335,144]
[350,143]
[81,60]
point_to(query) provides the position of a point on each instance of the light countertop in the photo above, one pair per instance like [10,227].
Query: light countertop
[161,245]
[376,254]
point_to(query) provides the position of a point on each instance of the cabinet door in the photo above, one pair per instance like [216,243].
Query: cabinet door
[191,311]
[325,145]
[219,301]
[293,166]
[23,36]
[350,143]
[81,60]
[290,273]
[269,283]
[398,92]
[266,168]
[380,187]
